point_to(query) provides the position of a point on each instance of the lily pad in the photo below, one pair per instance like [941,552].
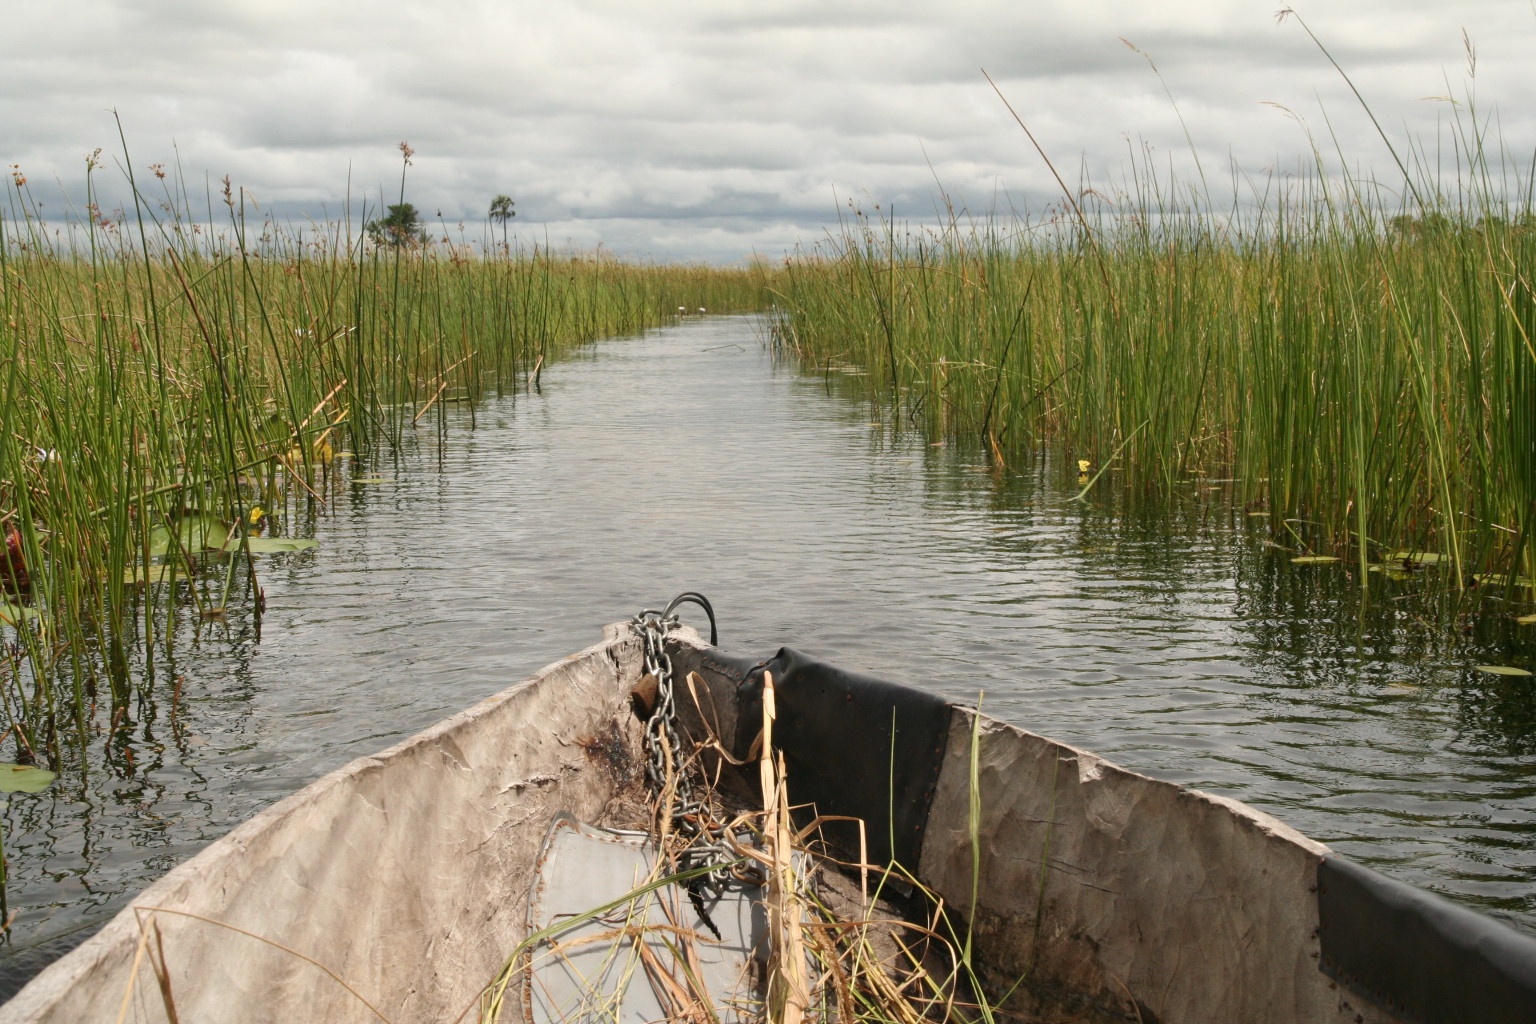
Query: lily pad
[1496,579]
[156,574]
[1416,557]
[15,614]
[24,778]
[195,531]
[1503,670]
[1313,559]
[272,545]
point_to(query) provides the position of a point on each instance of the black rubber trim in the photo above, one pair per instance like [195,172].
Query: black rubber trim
[1419,955]
[734,667]
[853,745]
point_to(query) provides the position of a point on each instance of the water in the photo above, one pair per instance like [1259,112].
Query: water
[1174,642]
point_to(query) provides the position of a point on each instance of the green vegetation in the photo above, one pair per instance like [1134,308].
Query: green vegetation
[401,226]
[169,388]
[1365,376]
[500,213]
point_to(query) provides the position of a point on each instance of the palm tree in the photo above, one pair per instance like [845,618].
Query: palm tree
[501,210]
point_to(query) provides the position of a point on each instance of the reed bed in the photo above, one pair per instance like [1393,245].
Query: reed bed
[1361,372]
[171,390]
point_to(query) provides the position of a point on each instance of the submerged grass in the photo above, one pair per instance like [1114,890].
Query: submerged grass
[169,389]
[1357,360]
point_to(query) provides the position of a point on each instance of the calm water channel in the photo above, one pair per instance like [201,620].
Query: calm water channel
[1173,642]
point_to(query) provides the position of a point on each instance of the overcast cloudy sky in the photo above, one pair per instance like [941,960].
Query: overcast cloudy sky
[709,131]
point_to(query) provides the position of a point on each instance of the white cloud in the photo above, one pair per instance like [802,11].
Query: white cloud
[695,130]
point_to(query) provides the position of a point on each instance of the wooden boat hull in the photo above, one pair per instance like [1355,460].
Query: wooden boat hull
[1093,892]
[404,873]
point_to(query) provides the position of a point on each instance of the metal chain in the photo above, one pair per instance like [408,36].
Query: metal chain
[661,728]
[708,840]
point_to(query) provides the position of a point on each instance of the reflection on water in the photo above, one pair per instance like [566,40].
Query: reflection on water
[1172,641]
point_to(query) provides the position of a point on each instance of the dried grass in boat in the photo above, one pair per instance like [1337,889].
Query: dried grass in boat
[847,941]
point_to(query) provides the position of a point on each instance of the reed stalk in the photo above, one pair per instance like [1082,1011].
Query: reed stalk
[173,380]
[1361,364]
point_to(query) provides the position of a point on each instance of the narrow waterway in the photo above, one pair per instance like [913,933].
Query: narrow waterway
[1171,641]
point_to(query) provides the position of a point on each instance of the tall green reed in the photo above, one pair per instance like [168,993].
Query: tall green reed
[1364,370]
[175,373]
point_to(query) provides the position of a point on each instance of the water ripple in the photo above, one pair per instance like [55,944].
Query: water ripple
[690,460]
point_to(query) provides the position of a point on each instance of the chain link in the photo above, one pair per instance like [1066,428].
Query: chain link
[708,840]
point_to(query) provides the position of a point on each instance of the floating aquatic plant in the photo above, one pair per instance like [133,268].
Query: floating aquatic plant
[171,388]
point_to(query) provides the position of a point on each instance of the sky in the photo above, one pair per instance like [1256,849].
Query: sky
[676,131]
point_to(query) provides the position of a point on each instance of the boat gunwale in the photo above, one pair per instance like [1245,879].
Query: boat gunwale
[56,982]
[1278,895]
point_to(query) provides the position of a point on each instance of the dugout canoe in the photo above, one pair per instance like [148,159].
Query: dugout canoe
[1098,894]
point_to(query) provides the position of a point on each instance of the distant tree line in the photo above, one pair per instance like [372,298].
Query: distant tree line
[402,226]
[1436,224]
